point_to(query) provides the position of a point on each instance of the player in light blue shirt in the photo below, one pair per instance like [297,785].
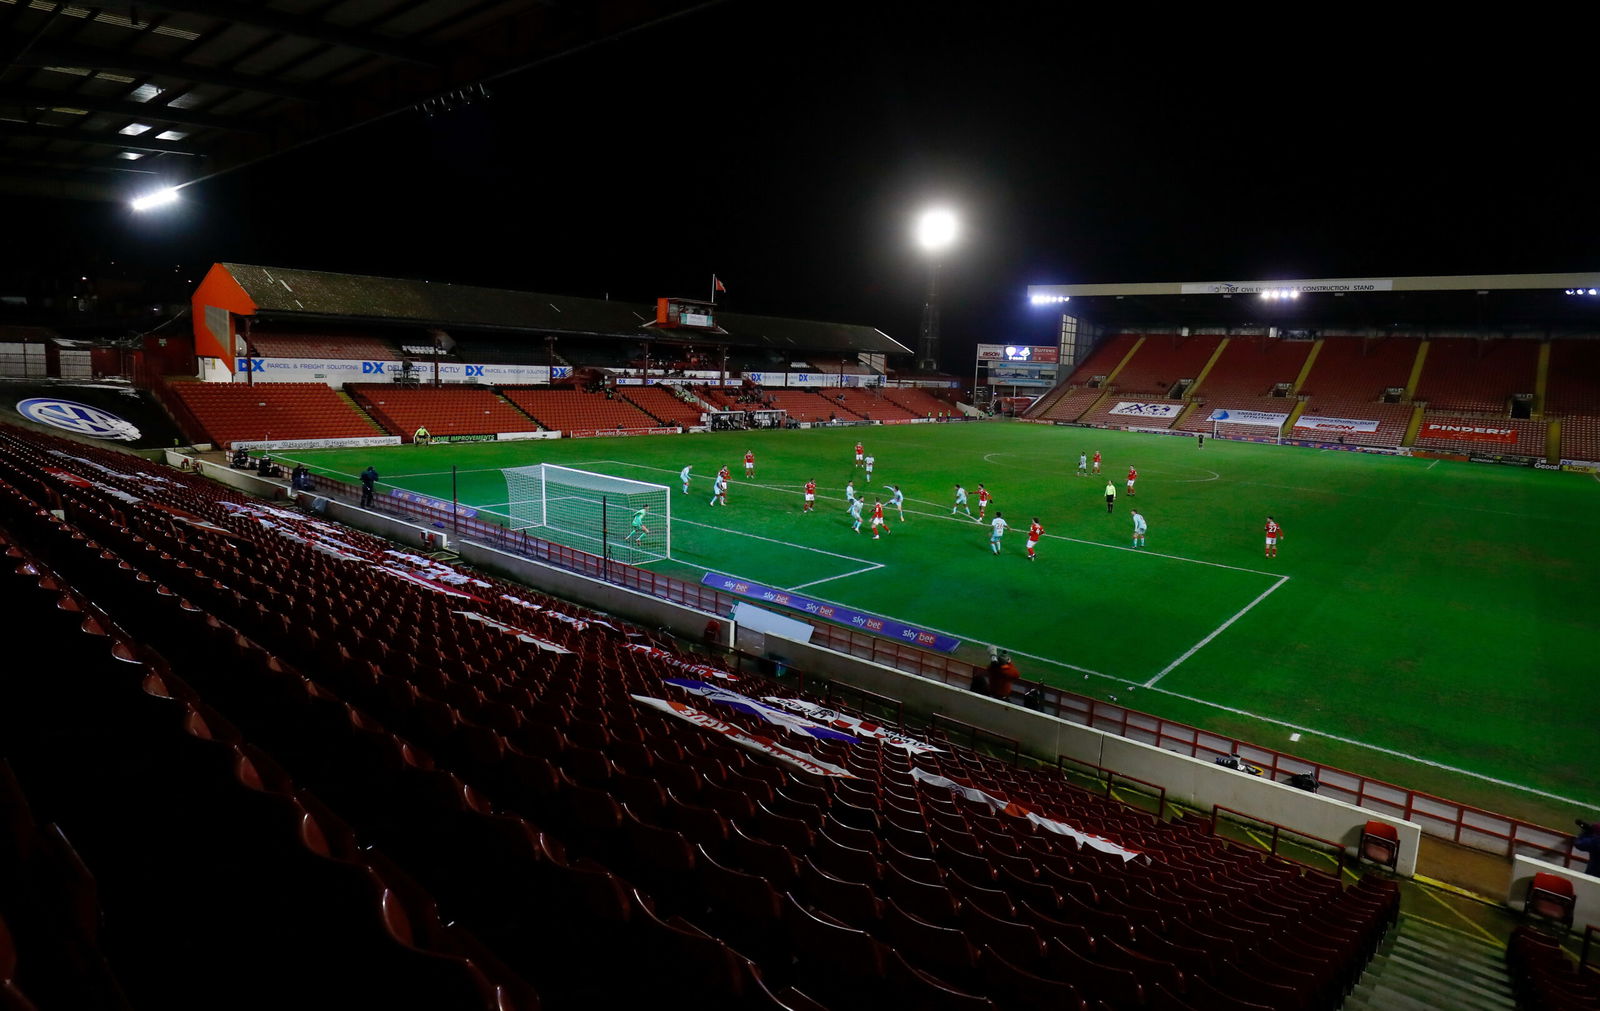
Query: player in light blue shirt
[997,526]
[1139,527]
[683,475]
[855,513]
[898,501]
[961,502]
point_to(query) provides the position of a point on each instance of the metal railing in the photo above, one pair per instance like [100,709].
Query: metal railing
[1098,772]
[1336,851]
[1464,824]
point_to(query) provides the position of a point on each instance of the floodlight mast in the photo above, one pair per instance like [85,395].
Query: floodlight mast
[936,232]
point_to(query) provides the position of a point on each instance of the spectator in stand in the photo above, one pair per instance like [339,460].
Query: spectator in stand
[369,481]
[1588,841]
[1003,676]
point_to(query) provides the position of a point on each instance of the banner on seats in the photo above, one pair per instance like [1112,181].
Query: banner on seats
[1465,432]
[1145,410]
[1263,419]
[1320,424]
[833,612]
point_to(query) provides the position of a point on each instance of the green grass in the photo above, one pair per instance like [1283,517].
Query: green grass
[1442,611]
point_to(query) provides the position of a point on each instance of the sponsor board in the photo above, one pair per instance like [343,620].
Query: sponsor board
[1509,461]
[1140,409]
[885,627]
[80,419]
[354,442]
[1541,465]
[485,437]
[1439,454]
[1336,284]
[523,436]
[1262,419]
[1466,432]
[1321,424]
[1040,353]
[1580,466]
[429,502]
[592,433]
[338,371]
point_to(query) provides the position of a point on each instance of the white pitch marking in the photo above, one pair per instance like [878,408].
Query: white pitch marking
[828,579]
[1197,647]
[1431,465]
[774,540]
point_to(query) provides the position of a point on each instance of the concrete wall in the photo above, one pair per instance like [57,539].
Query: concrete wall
[1586,888]
[1195,782]
[242,480]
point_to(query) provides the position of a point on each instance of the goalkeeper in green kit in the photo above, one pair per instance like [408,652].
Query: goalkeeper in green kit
[639,529]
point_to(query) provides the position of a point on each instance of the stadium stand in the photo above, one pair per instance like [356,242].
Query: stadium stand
[443,410]
[569,830]
[1468,375]
[1071,405]
[806,405]
[482,349]
[1530,435]
[1580,438]
[1572,389]
[575,411]
[1355,369]
[1243,379]
[237,412]
[285,344]
[920,403]
[1392,420]
[1546,977]
[868,404]
[1155,368]
[661,404]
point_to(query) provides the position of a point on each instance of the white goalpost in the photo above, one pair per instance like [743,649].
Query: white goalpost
[591,512]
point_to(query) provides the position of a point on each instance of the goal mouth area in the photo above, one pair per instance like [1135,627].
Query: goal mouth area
[613,517]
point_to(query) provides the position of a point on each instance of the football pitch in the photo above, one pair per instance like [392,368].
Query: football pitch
[1427,622]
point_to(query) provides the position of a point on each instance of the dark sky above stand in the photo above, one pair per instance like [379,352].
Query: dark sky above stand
[787,145]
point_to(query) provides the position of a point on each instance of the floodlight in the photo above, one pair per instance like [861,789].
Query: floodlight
[1591,291]
[159,198]
[936,230]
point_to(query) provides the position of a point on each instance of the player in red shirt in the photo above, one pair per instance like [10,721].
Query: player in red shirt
[811,497]
[860,453]
[984,499]
[1035,532]
[1097,461]
[1274,535]
[749,464]
[1133,476]
[877,519]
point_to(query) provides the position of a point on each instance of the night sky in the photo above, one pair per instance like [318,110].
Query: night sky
[786,146]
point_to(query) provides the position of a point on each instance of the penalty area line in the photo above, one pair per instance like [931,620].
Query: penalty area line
[843,575]
[1197,647]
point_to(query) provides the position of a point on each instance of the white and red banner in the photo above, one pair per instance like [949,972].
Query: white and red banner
[1144,410]
[699,670]
[1317,423]
[1464,432]
[1263,419]
[1015,810]
[789,756]
[746,704]
[522,634]
[854,724]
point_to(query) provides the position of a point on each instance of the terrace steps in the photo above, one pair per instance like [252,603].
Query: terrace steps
[377,429]
[1211,362]
[1421,966]
[1310,363]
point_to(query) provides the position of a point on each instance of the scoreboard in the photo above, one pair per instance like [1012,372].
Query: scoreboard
[1021,354]
[675,313]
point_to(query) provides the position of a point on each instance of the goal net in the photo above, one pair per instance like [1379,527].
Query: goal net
[591,512]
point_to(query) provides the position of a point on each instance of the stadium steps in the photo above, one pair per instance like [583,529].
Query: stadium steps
[1294,416]
[1415,424]
[498,395]
[1416,371]
[1552,442]
[1205,370]
[1420,967]
[650,414]
[1305,369]
[1112,377]
[1049,400]
[1541,382]
[1183,415]
[347,398]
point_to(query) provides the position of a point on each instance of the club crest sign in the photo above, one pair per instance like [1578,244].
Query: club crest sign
[81,419]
